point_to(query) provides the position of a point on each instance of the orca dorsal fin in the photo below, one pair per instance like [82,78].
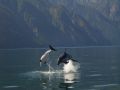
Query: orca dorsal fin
[51,48]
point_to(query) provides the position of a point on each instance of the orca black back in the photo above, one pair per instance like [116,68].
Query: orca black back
[64,58]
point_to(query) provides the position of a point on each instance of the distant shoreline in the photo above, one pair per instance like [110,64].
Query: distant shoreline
[65,47]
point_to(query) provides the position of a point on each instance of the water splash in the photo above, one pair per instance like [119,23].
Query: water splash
[50,68]
[40,64]
[71,67]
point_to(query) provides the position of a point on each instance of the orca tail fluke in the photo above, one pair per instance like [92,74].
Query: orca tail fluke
[52,48]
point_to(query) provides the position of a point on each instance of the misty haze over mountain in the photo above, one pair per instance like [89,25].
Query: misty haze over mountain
[38,23]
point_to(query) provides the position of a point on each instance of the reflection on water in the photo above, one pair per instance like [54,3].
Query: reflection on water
[69,80]
[69,77]
[99,70]
[64,80]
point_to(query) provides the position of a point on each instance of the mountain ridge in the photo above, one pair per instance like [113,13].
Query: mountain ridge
[40,23]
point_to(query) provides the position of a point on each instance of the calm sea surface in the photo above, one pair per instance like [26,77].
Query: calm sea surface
[99,70]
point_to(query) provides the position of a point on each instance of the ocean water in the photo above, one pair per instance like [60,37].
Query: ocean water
[99,70]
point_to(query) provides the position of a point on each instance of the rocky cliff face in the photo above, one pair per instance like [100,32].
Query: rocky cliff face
[37,23]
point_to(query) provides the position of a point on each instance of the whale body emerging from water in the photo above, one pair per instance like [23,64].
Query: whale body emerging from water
[45,56]
[64,58]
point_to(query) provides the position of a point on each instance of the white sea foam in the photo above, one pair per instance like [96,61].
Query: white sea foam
[71,66]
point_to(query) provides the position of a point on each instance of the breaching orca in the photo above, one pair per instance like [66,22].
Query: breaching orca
[45,56]
[64,58]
